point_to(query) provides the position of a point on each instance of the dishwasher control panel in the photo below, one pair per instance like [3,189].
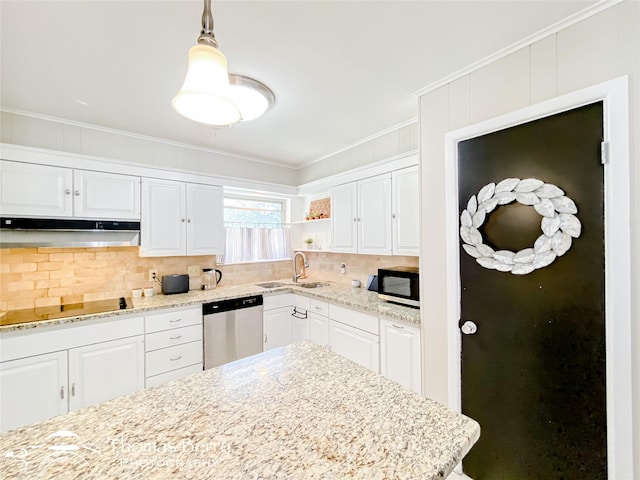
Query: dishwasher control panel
[231,304]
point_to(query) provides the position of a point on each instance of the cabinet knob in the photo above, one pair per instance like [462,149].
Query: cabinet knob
[189,220]
[355,219]
[77,192]
[61,393]
[67,192]
[393,215]
[183,220]
[469,327]
[73,389]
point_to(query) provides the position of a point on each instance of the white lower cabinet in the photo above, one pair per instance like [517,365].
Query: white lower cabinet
[355,344]
[173,344]
[32,389]
[277,327]
[62,368]
[355,335]
[106,370]
[400,353]
[319,322]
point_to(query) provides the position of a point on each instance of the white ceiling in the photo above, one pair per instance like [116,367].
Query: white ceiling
[341,71]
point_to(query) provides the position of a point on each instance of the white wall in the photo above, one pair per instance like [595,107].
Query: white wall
[392,143]
[601,47]
[53,134]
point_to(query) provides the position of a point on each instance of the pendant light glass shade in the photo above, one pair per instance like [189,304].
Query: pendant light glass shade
[204,96]
[209,94]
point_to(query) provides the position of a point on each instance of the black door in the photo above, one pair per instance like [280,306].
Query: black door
[533,374]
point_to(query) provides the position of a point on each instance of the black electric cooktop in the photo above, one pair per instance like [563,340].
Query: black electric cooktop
[13,317]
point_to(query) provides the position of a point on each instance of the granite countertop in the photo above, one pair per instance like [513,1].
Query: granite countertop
[358,298]
[298,412]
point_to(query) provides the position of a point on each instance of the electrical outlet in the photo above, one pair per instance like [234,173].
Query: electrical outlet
[153,275]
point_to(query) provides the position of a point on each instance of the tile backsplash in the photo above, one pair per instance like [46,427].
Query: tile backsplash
[40,277]
[326,266]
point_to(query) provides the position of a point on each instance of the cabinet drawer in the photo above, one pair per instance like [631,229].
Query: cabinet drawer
[173,375]
[173,319]
[271,302]
[172,358]
[363,321]
[319,307]
[175,336]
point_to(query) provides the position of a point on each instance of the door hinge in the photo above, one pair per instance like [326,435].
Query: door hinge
[604,152]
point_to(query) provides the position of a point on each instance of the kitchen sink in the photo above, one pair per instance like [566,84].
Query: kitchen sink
[313,284]
[270,284]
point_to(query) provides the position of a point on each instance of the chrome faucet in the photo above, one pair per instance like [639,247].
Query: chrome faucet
[305,264]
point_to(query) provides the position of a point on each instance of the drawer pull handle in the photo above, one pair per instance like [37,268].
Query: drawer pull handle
[397,326]
[175,320]
[174,359]
[61,393]
[177,337]
[318,308]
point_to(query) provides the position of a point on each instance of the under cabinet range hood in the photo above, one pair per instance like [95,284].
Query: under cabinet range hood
[44,232]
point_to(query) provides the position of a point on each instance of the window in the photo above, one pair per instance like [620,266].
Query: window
[255,230]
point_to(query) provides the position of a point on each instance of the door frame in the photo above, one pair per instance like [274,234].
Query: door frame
[615,98]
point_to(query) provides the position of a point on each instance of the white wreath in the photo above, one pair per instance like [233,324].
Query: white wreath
[559,224]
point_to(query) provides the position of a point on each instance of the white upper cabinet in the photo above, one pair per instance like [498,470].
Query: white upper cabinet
[361,216]
[405,211]
[164,216]
[374,215]
[205,219]
[344,218]
[35,190]
[105,195]
[181,219]
[32,190]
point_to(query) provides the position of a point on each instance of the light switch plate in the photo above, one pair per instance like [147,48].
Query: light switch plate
[194,271]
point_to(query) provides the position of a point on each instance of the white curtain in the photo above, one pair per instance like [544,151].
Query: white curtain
[253,242]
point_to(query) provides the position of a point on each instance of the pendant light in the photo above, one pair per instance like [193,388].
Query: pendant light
[209,94]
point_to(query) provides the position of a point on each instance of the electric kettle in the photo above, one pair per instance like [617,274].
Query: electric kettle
[210,278]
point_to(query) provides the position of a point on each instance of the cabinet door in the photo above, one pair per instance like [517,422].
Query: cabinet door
[344,217]
[400,354]
[357,345]
[164,218]
[405,211]
[35,190]
[32,389]
[106,195]
[277,327]
[319,329]
[374,215]
[205,221]
[105,370]
[299,325]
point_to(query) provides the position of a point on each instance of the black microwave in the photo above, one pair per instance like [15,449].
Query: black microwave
[399,285]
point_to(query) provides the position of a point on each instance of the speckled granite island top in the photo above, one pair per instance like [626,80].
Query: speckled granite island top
[298,412]
[358,298]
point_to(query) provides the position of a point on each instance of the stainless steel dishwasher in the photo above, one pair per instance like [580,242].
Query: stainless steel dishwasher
[232,329]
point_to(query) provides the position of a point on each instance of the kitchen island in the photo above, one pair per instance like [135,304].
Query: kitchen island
[294,412]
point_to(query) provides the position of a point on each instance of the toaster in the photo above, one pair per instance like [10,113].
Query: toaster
[177,283]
